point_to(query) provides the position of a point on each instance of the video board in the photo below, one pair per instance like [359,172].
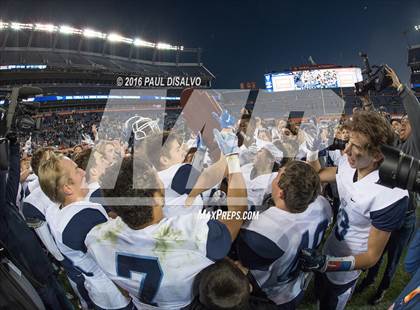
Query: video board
[313,79]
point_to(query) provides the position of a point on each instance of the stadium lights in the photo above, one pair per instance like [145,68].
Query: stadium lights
[113,37]
[19,26]
[46,27]
[3,25]
[417,28]
[140,42]
[166,46]
[69,30]
[89,33]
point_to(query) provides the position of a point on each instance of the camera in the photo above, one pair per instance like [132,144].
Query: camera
[16,116]
[399,170]
[375,78]
[337,144]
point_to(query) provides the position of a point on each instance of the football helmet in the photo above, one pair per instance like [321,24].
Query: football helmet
[142,127]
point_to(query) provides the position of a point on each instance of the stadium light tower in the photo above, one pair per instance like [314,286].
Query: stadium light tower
[89,33]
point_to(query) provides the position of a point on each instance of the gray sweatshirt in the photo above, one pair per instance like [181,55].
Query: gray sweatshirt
[411,146]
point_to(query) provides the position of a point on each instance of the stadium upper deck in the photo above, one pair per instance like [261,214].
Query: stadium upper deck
[64,60]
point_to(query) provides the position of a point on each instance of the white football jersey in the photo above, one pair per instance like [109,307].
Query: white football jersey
[174,201]
[361,203]
[69,226]
[31,183]
[335,156]
[25,189]
[279,236]
[258,186]
[34,208]
[94,186]
[157,264]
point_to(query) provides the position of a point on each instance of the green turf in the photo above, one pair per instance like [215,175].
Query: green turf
[360,301]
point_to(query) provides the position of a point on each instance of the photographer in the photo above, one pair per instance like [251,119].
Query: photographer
[409,143]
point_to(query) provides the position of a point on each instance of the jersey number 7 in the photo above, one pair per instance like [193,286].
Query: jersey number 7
[151,272]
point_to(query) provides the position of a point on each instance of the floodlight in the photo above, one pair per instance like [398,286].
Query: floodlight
[113,37]
[3,25]
[19,26]
[140,42]
[163,46]
[417,28]
[45,27]
[166,46]
[69,30]
[89,33]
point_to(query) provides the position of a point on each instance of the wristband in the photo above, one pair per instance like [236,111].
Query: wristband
[311,156]
[233,164]
[339,263]
[400,88]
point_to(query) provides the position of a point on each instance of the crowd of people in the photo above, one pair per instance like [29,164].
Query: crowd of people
[314,79]
[161,223]
[69,130]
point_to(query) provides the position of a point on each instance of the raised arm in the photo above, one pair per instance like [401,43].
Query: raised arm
[210,177]
[237,195]
[411,106]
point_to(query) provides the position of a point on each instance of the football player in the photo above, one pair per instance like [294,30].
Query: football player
[65,184]
[269,246]
[211,286]
[156,258]
[259,174]
[94,164]
[177,177]
[35,206]
[367,214]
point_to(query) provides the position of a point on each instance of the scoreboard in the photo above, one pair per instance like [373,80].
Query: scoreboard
[313,79]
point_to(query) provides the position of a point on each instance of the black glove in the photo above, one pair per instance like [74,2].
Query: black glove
[310,260]
[12,137]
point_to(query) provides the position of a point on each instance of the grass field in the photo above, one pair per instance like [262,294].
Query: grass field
[360,301]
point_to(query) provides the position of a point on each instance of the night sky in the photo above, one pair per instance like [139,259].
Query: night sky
[242,40]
